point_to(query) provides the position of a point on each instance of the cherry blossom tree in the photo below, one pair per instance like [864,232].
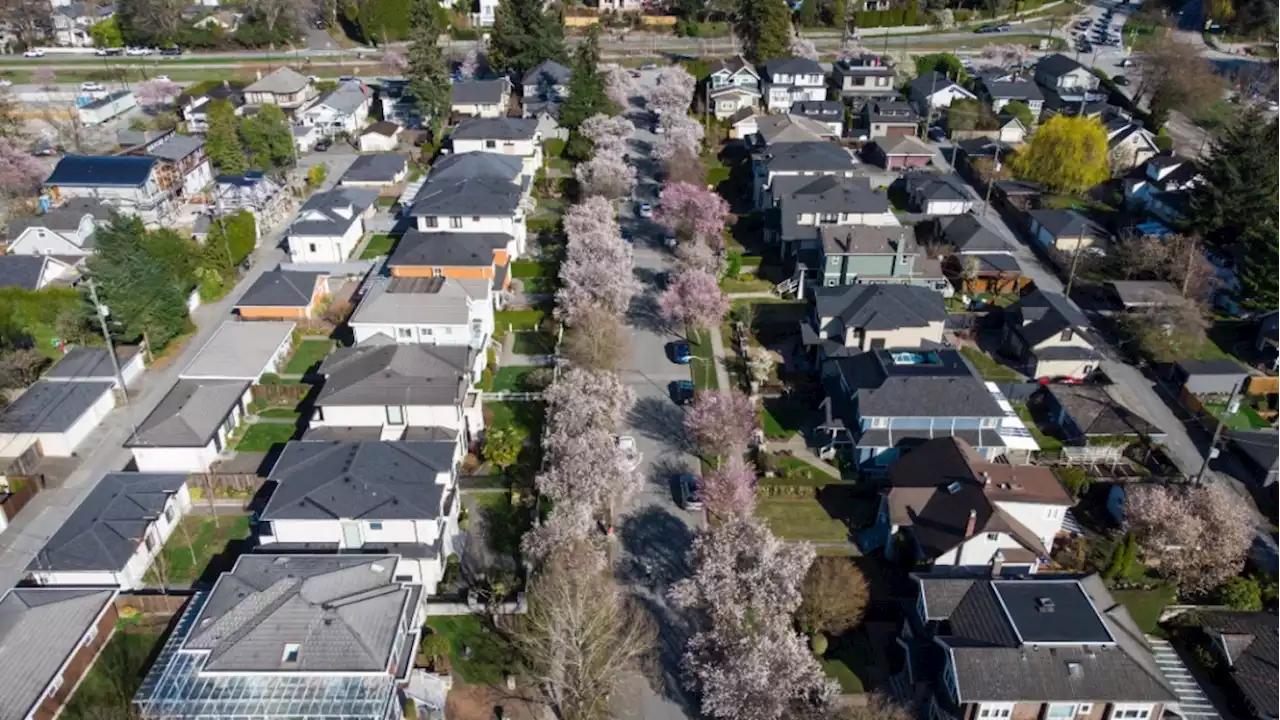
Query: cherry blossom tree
[729,491]
[20,174]
[596,269]
[760,364]
[470,63]
[1007,55]
[693,213]
[156,91]
[394,62]
[697,257]
[680,133]
[1198,534]
[720,422]
[693,298]
[617,84]
[45,77]
[686,167]
[568,523]
[608,134]
[606,176]
[582,398]
[673,93]
[803,48]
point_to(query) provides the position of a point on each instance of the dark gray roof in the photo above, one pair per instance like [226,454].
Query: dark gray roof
[942,386]
[892,112]
[83,363]
[440,249]
[471,183]
[969,234]
[320,214]
[1219,366]
[822,110]
[797,194]
[190,414]
[1262,447]
[396,375]
[1040,315]
[101,171]
[1095,411]
[476,165]
[904,145]
[936,186]
[281,288]
[284,81]
[1056,65]
[880,307]
[1251,639]
[793,66]
[176,147]
[547,72]
[344,614]
[58,220]
[811,156]
[380,167]
[1015,90]
[929,83]
[868,239]
[382,127]
[345,98]
[477,92]
[503,128]
[40,630]
[361,480]
[106,528]
[51,407]
[21,271]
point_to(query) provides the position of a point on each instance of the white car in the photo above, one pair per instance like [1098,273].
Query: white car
[137,51]
[5,82]
[33,53]
[645,210]
[92,87]
[162,78]
[630,453]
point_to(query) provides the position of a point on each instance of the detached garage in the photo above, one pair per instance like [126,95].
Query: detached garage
[58,415]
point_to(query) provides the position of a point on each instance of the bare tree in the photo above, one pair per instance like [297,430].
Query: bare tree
[834,596]
[1174,79]
[273,12]
[1178,259]
[595,341]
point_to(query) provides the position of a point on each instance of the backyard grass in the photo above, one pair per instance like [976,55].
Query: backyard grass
[505,524]
[387,200]
[781,419]
[513,379]
[489,655]
[988,368]
[1047,443]
[508,320]
[703,365]
[526,417]
[261,437]
[523,269]
[107,689]
[378,246]
[745,283]
[280,413]
[716,171]
[1246,418]
[308,354]
[207,539]
[533,342]
[561,164]
[846,660]
[1146,605]
[801,518]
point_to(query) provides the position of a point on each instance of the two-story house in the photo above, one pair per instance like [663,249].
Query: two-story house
[1057,647]
[426,310]
[731,86]
[195,107]
[789,80]
[253,191]
[804,204]
[514,137]
[1129,144]
[1161,188]
[73,20]
[946,505]
[480,98]
[859,318]
[934,90]
[981,260]
[1067,81]
[888,118]
[183,164]
[475,192]
[1002,92]
[284,87]
[1066,230]
[869,254]
[398,387]
[786,159]
[330,224]
[1049,337]
[130,185]
[885,401]
[343,111]
[865,77]
[370,497]
[828,112]
[62,232]
[934,193]
[456,255]
[544,87]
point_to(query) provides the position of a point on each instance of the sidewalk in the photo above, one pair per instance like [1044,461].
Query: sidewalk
[798,449]
[717,349]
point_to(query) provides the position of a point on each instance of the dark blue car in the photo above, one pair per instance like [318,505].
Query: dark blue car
[680,352]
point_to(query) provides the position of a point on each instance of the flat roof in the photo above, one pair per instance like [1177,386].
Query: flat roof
[51,407]
[239,351]
[1051,612]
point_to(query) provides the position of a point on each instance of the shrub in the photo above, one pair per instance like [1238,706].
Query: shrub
[1241,593]
[1075,480]
[464,33]
[734,265]
[1205,657]
[818,643]
[1122,558]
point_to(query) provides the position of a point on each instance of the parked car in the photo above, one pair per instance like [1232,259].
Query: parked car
[1127,62]
[33,53]
[644,210]
[162,78]
[649,66]
[115,52]
[937,134]
[91,87]
[669,240]
[681,353]
[630,453]
[987,29]
[690,493]
[171,51]
[682,391]
[324,144]
[5,82]
[138,51]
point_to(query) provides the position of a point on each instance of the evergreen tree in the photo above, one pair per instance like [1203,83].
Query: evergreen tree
[765,27]
[427,72]
[222,142]
[586,85]
[144,277]
[838,12]
[524,34]
[268,141]
[810,13]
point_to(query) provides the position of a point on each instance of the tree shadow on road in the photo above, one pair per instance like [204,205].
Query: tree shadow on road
[644,314]
[660,419]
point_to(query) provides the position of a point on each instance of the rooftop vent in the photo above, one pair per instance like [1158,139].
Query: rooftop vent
[1044,604]
[1074,669]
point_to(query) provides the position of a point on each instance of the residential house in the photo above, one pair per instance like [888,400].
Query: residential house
[828,112]
[224,21]
[64,232]
[865,77]
[381,136]
[1245,645]
[1066,80]
[1260,451]
[129,185]
[242,351]
[284,87]
[282,632]
[804,204]
[1002,92]
[35,272]
[859,318]
[398,105]
[1049,337]
[762,131]
[937,193]
[380,171]
[969,150]
[1067,230]
[516,137]
[426,310]
[732,86]
[933,90]
[399,387]
[1219,377]
[946,505]
[48,640]
[183,165]
[1161,187]
[58,415]
[1141,294]
[900,152]
[1129,144]
[487,11]
[1011,129]
[115,533]
[981,260]
[616,6]
[791,159]
[263,197]
[73,20]
[885,401]
[330,224]
[788,80]
[544,87]
[343,111]
[1090,412]
[283,295]
[888,119]
[1046,646]
[106,108]
[475,192]
[869,254]
[188,430]
[194,108]
[368,497]
[480,98]
[455,255]
[80,364]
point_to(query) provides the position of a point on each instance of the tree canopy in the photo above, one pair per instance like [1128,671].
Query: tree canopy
[381,21]
[765,28]
[427,73]
[106,34]
[945,63]
[1020,110]
[524,34]
[1067,154]
[586,84]
[267,138]
[144,278]
[222,142]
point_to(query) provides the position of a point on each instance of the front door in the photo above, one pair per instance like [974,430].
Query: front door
[351,537]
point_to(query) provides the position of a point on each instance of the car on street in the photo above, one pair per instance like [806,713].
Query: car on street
[657,128]
[681,391]
[5,82]
[669,240]
[644,210]
[171,51]
[987,29]
[1086,47]
[92,87]
[137,51]
[649,66]
[33,53]
[324,144]
[162,78]
[629,452]
[690,492]
[680,352]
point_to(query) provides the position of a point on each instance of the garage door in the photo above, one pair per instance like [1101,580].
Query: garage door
[899,131]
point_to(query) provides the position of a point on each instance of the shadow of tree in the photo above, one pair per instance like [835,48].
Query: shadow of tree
[660,419]
[643,314]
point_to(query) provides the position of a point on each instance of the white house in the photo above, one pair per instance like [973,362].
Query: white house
[935,90]
[475,192]
[733,85]
[58,415]
[129,184]
[330,225]
[242,351]
[381,136]
[195,108]
[115,533]
[426,310]
[180,156]
[937,193]
[57,232]
[1011,130]
[514,137]
[1068,79]
[480,98]
[107,107]
[343,111]
[285,87]
[1128,143]
[790,80]
[188,429]
[484,17]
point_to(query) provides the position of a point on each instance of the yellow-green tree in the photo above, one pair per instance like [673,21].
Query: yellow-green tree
[1068,154]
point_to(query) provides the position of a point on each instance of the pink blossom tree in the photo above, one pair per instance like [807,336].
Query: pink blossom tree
[673,93]
[596,272]
[606,176]
[693,298]
[470,63]
[394,63]
[156,92]
[1199,534]
[729,491]
[20,174]
[680,133]
[803,48]
[608,134]
[720,422]
[617,84]
[697,257]
[568,523]
[693,213]
[582,398]
[45,77]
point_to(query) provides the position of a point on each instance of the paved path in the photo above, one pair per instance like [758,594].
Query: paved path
[721,358]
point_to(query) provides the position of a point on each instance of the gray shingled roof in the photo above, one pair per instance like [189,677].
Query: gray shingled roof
[284,81]
[501,128]
[59,220]
[1056,65]
[793,66]
[969,234]
[1040,315]
[361,480]
[281,288]
[40,629]
[1015,90]
[189,416]
[470,183]
[868,239]
[930,83]
[547,72]
[1096,411]
[936,186]
[477,92]
[21,271]
[84,363]
[342,612]
[1251,638]
[322,214]
[345,98]
[880,307]
[1068,224]
[396,375]
[176,147]
[240,351]
[423,301]
[51,407]
[106,528]
[782,129]
[808,156]
[444,249]
[380,167]
[948,387]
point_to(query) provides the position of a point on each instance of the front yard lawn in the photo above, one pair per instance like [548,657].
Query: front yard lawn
[533,343]
[107,689]
[308,354]
[745,283]
[505,321]
[513,379]
[781,418]
[378,246]
[847,659]
[181,563]
[988,368]
[1146,605]
[477,654]
[505,524]
[261,437]
[526,417]
[801,518]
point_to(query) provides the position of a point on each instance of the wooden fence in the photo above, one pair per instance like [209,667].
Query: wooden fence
[1262,385]
[153,603]
[26,463]
[21,489]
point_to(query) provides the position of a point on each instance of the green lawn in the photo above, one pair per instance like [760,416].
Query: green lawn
[847,660]
[524,416]
[1047,443]
[801,518]
[280,413]
[561,164]
[308,354]
[507,320]
[378,246]
[206,539]
[1145,605]
[490,655]
[107,690]
[781,419]
[524,269]
[513,379]
[745,283]
[505,524]
[716,171]
[261,437]
[703,367]
[989,369]
[1246,418]
[533,343]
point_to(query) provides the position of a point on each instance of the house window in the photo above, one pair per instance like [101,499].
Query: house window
[1084,709]
[290,654]
[437,272]
[1122,711]
[879,422]
[994,710]
[1060,711]
[405,333]
[993,537]
[490,144]
[828,218]
[475,218]
[431,221]
[55,685]
[375,526]
[168,513]
[149,542]
[91,634]
[455,223]
[312,246]
[404,578]
[1066,335]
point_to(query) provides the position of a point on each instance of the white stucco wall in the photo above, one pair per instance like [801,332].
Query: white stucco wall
[1043,520]
[328,249]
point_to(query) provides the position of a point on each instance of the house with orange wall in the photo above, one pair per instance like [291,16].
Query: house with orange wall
[454,255]
[283,295]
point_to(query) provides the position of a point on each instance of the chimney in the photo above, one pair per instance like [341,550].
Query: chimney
[986,478]
[997,564]
[972,525]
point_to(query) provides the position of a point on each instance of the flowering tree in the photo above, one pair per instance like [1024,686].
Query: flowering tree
[803,48]
[693,213]
[470,64]
[729,491]
[617,84]
[20,174]
[693,298]
[680,133]
[156,91]
[596,271]
[606,176]
[45,77]
[697,257]
[394,63]
[720,422]
[760,364]
[1198,533]
[567,524]
[608,134]
[582,398]
[1010,54]
[673,93]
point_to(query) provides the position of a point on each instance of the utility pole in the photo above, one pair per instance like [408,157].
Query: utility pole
[102,313]
[1075,263]
[1212,451]
[986,202]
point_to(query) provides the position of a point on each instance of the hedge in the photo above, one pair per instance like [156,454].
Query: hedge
[885,18]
